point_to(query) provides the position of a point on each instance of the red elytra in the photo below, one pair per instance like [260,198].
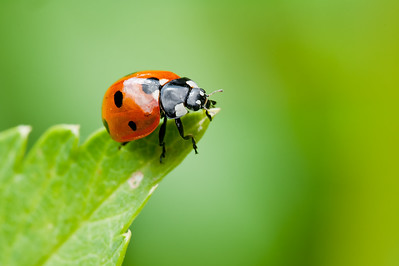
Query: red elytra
[131,108]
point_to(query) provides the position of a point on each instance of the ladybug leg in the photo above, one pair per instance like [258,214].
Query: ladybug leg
[208,115]
[181,131]
[162,132]
[123,144]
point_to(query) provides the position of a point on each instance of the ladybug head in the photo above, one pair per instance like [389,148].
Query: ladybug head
[198,99]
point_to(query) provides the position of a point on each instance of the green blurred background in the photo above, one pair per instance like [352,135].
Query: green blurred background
[300,167]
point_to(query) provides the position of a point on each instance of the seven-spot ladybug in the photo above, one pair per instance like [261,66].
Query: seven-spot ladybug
[133,106]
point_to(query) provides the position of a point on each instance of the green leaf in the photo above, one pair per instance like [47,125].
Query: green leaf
[65,204]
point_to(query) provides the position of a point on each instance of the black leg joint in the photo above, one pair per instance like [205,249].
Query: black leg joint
[162,132]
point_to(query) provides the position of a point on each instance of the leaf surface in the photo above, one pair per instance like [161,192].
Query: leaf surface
[65,204]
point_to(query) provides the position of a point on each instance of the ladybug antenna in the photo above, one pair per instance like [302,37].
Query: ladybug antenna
[210,103]
[214,92]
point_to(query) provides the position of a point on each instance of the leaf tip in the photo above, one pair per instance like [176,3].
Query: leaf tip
[24,130]
[73,128]
[214,111]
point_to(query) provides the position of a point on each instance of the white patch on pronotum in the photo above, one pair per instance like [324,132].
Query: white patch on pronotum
[135,180]
[192,84]
[202,93]
[152,190]
[180,110]
[163,81]
[198,102]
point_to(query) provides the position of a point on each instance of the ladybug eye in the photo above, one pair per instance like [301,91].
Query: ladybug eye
[118,98]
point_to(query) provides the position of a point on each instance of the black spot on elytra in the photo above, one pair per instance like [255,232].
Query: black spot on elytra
[151,85]
[118,98]
[106,125]
[132,125]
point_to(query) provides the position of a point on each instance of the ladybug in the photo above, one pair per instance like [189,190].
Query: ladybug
[134,105]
